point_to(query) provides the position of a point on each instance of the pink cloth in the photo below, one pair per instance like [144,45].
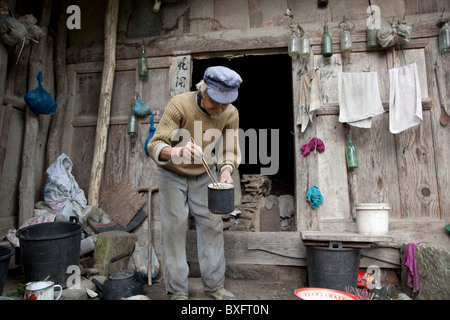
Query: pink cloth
[313,144]
[410,262]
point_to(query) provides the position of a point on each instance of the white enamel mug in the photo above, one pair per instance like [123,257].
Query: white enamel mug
[42,290]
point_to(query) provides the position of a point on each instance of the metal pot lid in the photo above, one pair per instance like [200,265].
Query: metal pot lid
[121,275]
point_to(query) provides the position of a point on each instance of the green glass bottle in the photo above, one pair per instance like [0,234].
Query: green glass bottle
[350,153]
[142,64]
[132,124]
[444,38]
[327,49]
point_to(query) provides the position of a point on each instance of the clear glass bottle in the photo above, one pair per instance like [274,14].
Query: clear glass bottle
[371,37]
[294,46]
[346,41]
[305,48]
[327,49]
[350,153]
[444,38]
[142,64]
[132,124]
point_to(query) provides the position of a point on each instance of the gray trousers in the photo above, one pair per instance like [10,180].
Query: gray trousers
[180,195]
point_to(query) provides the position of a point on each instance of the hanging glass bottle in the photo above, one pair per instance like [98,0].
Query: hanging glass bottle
[346,37]
[142,64]
[444,38]
[350,153]
[327,49]
[305,48]
[346,41]
[294,46]
[371,37]
[132,124]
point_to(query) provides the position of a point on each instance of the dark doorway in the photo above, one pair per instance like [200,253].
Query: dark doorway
[264,102]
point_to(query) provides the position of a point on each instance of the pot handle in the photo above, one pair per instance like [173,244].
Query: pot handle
[22,233]
[74,219]
[335,245]
[120,256]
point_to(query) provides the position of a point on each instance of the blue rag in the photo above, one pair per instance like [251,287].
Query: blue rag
[314,197]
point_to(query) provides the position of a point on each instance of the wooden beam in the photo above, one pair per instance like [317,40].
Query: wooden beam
[111,17]
[239,40]
[27,186]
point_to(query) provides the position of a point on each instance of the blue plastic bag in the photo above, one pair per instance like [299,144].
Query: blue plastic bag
[39,100]
[141,109]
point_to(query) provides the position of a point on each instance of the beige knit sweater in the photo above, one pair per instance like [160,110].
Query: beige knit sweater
[182,120]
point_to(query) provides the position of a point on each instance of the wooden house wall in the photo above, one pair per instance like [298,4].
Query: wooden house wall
[410,170]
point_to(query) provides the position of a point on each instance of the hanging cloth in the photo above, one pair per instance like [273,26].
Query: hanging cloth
[309,100]
[313,144]
[151,133]
[359,98]
[410,262]
[405,100]
[314,197]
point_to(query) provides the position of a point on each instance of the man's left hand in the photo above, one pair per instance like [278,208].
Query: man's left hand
[225,176]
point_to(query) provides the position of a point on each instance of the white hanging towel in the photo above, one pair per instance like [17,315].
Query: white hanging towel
[359,98]
[405,99]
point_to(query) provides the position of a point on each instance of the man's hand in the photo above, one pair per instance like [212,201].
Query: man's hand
[225,176]
[190,153]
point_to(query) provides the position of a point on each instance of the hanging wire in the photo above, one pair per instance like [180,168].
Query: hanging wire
[346,25]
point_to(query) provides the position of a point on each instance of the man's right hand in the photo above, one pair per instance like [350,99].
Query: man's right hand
[190,153]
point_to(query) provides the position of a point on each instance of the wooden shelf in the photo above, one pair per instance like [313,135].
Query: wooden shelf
[348,239]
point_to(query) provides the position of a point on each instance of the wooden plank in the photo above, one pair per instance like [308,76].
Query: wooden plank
[202,16]
[28,188]
[247,248]
[343,237]
[306,169]
[332,168]
[180,75]
[82,144]
[281,248]
[417,172]
[440,134]
[376,179]
[111,17]
[11,143]
[247,39]
[232,14]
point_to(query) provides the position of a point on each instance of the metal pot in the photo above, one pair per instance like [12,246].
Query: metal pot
[122,284]
[221,198]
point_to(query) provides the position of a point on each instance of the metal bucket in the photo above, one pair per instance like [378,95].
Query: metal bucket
[221,198]
[332,267]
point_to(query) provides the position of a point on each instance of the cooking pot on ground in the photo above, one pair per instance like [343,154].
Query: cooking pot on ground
[122,284]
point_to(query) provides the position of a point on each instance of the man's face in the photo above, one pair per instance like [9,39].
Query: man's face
[213,108]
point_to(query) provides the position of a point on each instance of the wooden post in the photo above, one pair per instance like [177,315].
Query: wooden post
[109,66]
[27,186]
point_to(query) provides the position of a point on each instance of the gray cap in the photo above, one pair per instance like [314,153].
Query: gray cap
[223,84]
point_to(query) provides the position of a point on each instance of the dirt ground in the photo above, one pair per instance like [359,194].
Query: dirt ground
[241,288]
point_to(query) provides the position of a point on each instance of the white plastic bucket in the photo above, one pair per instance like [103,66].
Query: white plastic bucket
[372,218]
